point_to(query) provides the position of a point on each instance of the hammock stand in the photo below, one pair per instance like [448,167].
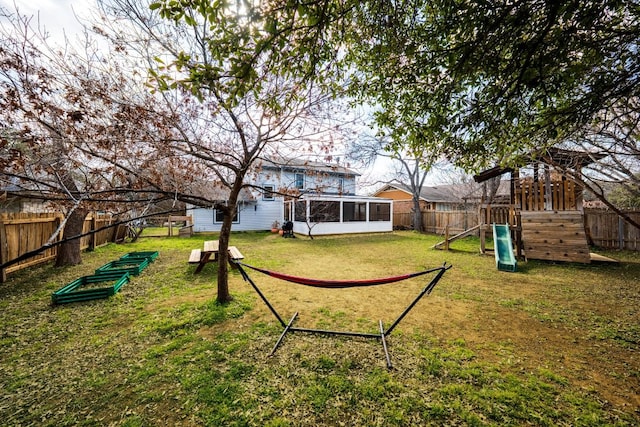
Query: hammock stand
[337,284]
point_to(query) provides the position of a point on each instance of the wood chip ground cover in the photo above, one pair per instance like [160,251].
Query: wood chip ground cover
[553,344]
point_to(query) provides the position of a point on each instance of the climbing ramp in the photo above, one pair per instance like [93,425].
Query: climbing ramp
[555,236]
[471,231]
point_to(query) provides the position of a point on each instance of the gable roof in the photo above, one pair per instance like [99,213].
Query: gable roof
[439,193]
[447,193]
[298,165]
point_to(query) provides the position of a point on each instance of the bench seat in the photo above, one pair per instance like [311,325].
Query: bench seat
[234,253]
[196,255]
[202,257]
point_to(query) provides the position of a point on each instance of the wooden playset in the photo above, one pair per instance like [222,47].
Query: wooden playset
[544,212]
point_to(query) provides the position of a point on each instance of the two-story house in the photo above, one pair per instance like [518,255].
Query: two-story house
[315,196]
[298,177]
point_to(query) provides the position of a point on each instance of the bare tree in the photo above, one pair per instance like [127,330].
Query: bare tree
[37,153]
[80,130]
[412,166]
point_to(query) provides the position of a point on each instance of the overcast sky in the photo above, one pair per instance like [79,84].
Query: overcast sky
[57,16]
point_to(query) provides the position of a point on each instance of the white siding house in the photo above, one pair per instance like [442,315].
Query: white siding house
[307,177]
[253,215]
[326,191]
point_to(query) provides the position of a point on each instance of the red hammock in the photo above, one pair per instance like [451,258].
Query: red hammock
[288,327]
[337,284]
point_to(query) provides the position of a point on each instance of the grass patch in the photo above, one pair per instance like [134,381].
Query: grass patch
[552,344]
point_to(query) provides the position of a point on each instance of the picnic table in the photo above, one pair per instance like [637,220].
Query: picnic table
[210,248]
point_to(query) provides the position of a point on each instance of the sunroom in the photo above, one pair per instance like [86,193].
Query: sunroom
[321,215]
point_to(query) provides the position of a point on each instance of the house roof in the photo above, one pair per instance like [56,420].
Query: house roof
[297,164]
[439,193]
[447,193]
[220,193]
[344,197]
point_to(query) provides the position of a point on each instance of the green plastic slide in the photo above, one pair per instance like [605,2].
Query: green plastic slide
[503,248]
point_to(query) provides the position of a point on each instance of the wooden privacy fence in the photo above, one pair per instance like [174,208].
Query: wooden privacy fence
[25,232]
[436,221]
[607,230]
[604,228]
[97,221]
[22,233]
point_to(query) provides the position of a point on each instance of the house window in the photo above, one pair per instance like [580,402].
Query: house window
[380,212]
[324,211]
[267,192]
[300,211]
[218,216]
[299,181]
[354,211]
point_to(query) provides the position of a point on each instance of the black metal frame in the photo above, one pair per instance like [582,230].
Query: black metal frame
[288,327]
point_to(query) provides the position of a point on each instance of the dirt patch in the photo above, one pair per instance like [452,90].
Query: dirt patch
[522,343]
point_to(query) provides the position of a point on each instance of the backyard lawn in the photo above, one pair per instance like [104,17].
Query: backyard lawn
[550,345]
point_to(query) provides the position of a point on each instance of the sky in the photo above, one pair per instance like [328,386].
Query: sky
[59,17]
[56,15]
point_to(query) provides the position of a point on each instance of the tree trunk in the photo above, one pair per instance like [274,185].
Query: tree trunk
[224,296]
[69,252]
[417,215]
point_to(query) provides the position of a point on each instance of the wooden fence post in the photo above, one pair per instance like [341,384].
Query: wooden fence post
[3,250]
[446,237]
[481,222]
[620,233]
[94,237]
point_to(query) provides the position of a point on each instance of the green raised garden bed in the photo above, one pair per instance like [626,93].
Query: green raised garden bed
[96,286]
[133,266]
[150,255]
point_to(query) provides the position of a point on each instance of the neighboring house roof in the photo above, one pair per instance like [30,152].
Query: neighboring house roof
[476,192]
[594,204]
[297,165]
[440,193]
[447,193]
